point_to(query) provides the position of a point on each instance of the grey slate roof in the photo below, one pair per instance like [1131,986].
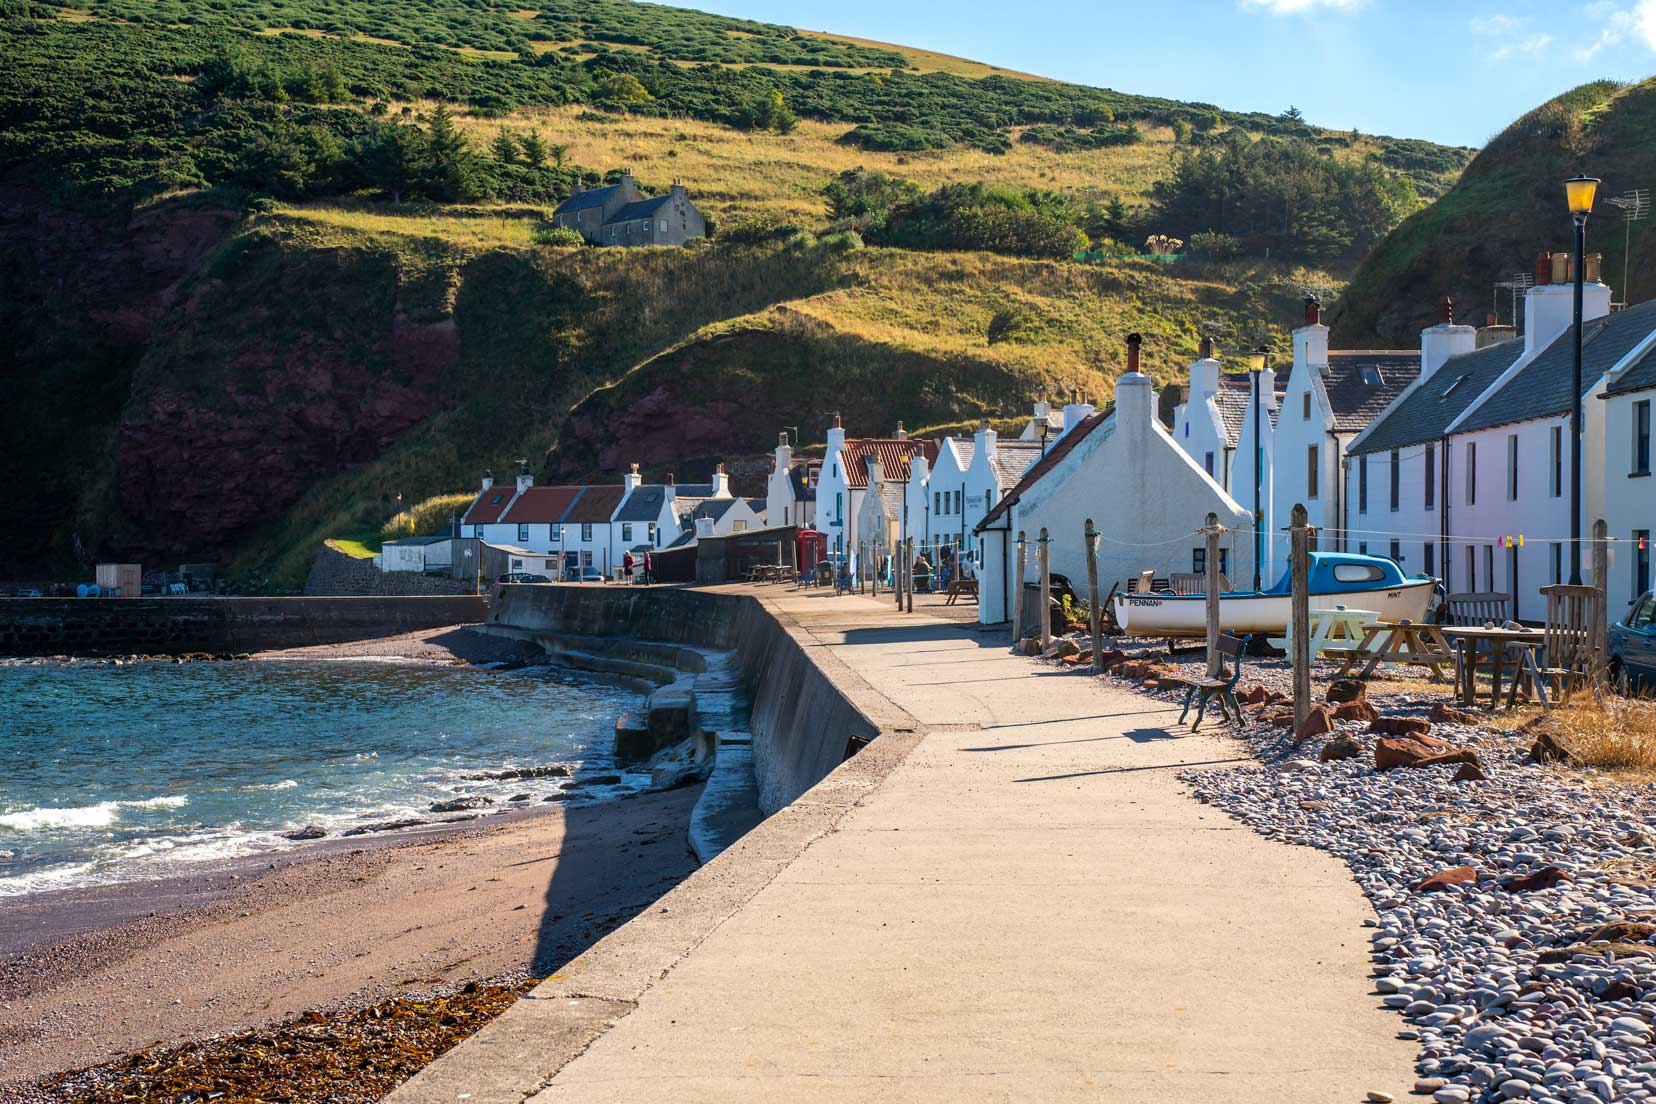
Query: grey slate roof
[1233,398]
[1541,388]
[799,476]
[695,490]
[1426,413]
[714,508]
[644,504]
[592,197]
[1356,401]
[1012,459]
[641,209]
[1641,376]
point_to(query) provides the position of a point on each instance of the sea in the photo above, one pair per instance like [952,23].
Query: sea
[112,773]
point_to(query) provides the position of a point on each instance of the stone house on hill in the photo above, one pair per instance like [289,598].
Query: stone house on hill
[620,214]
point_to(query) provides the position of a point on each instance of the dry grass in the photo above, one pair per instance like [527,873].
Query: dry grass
[426,518]
[929,61]
[1616,735]
[464,228]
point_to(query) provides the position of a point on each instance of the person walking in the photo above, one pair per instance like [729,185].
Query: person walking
[627,565]
[649,567]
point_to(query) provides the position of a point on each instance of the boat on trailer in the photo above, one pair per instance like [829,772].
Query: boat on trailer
[1337,579]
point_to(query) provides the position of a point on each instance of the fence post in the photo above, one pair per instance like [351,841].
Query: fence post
[1210,559]
[1300,568]
[1043,562]
[1018,588]
[1601,583]
[908,558]
[1094,615]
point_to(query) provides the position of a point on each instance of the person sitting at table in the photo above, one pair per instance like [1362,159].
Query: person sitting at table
[922,574]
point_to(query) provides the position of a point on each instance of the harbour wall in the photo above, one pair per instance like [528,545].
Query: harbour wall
[803,726]
[171,626]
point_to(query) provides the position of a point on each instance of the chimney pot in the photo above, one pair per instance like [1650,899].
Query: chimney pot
[902,434]
[670,482]
[836,423]
[635,469]
[782,438]
[1543,267]
[1313,311]
[1133,342]
[1204,351]
[1492,319]
[1446,311]
[719,469]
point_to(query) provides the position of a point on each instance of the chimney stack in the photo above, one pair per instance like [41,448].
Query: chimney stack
[721,482]
[524,479]
[902,434]
[630,481]
[488,479]
[1133,343]
[1311,339]
[836,441]
[1135,400]
[1549,306]
[1440,342]
[1313,311]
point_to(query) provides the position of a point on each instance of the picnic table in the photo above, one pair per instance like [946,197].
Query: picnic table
[1408,642]
[960,587]
[1518,644]
[1332,630]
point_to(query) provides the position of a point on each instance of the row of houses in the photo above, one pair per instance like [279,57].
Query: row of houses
[564,531]
[1453,458]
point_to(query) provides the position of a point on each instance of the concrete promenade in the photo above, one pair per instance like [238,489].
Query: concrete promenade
[1028,906]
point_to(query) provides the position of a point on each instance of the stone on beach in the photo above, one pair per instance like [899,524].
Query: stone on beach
[1470,772]
[1401,726]
[1318,722]
[308,832]
[1445,714]
[1391,752]
[1545,878]
[1061,648]
[1358,710]
[461,804]
[1547,749]
[1443,879]
[1344,690]
[1343,746]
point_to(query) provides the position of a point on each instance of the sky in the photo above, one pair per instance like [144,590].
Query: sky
[1453,71]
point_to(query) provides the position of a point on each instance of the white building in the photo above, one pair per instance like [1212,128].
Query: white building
[416,554]
[1629,498]
[996,467]
[1146,496]
[844,478]
[1470,467]
[484,517]
[1042,414]
[791,493]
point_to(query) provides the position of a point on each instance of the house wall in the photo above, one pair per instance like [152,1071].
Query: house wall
[1413,524]
[1242,484]
[1294,438]
[945,522]
[837,504]
[1629,499]
[1197,427]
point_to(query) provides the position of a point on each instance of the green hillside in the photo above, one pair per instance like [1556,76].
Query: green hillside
[1509,206]
[289,266]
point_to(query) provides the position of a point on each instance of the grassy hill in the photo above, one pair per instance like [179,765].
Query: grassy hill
[1509,206]
[274,279]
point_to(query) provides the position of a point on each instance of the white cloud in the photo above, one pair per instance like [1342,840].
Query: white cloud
[1509,36]
[1645,22]
[1290,7]
[1618,23]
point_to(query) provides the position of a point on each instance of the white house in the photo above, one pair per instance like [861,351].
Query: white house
[1629,497]
[790,497]
[844,478]
[483,518]
[1145,494]
[1471,465]
[996,467]
[1331,397]
[1042,414]
[416,553]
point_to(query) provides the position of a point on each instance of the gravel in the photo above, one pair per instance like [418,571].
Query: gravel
[1505,997]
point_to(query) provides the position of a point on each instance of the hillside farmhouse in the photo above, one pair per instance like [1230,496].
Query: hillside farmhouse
[620,214]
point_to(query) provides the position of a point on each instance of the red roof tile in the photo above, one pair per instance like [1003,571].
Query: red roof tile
[894,457]
[487,507]
[540,505]
[594,505]
[1060,449]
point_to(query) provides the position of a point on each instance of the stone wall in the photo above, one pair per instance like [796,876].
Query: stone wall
[168,626]
[335,573]
[802,725]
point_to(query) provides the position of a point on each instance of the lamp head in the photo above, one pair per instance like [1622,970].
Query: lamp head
[1258,359]
[1579,192]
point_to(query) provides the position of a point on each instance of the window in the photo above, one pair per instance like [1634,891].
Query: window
[1305,407]
[523,534]
[839,507]
[1641,561]
[1489,567]
[1450,390]
[1362,484]
[662,226]
[1187,429]
[1557,555]
[1429,557]
[1362,548]
[652,532]
[1558,461]
[1431,478]
[738,526]
[784,515]
[1312,455]
[1471,473]
[1641,437]
[1512,467]
[1358,573]
[1207,462]
[1396,479]
[1397,551]
[1224,561]
[586,530]
[1471,568]
[626,532]
[1643,616]
[937,502]
[1198,561]
[957,502]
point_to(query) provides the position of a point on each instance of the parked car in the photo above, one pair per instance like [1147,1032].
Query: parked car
[1633,647]
[522,577]
[30,592]
[588,574]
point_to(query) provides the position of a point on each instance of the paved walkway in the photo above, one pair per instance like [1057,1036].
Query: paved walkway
[1029,908]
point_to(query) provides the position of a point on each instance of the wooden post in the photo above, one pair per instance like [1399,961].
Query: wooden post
[897,576]
[1043,563]
[1094,615]
[1018,588]
[1601,583]
[1300,568]
[1210,558]
[908,558]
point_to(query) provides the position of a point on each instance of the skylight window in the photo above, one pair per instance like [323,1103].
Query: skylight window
[1451,389]
[1372,376]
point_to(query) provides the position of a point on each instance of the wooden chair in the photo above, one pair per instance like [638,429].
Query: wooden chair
[1188,582]
[1570,651]
[1478,608]
[1201,689]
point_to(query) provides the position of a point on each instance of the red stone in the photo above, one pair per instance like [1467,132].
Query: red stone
[1443,879]
[1257,696]
[1619,990]
[1358,710]
[1318,722]
[1444,714]
[1347,689]
[1343,746]
[1545,878]
[1470,772]
[1401,726]
[1111,659]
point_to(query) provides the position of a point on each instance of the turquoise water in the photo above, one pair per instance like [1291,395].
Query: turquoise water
[110,773]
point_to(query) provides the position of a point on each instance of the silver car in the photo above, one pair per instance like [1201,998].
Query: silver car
[1633,647]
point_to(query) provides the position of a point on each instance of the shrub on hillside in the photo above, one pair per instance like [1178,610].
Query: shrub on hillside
[990,218]
[897,137]
[1211,243]
[428,518]
[557,235]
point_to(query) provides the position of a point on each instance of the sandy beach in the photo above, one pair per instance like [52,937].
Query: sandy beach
[89,975]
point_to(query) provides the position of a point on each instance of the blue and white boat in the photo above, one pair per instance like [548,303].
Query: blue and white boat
[1337,579]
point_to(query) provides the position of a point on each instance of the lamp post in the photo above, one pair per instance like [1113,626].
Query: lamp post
[1578,192]
[1257,362]
[1043,429]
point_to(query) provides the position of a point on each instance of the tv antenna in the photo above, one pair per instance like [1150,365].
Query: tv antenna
[1320,292]
[1635,207]
[1519,284]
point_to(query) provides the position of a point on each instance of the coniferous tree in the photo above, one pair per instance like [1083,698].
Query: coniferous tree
[453,175]
[505,147]
[534,148]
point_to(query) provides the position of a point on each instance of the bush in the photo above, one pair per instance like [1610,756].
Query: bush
[842,241]
[896,137]
[1211,243]
[557,235]
[1005,324]
[757,229]
[429,518]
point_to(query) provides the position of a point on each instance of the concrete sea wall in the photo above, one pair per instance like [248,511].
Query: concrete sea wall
[153,626]
[803,726]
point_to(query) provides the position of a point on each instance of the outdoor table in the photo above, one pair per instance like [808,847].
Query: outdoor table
[1466,669]
[1332,630]
[959,587]
[1409,642]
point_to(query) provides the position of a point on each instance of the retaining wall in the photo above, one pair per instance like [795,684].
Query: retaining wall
[802,725]
[162,626]
[334,573]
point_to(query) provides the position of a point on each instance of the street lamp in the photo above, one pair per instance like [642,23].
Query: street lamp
[1043,429]
[1578,193]
[1258,361]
